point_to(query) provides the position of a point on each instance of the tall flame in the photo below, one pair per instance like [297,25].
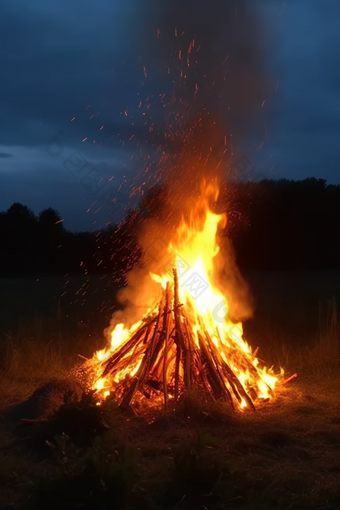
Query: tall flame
[193,251]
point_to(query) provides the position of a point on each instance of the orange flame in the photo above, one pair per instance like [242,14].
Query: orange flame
[193,251]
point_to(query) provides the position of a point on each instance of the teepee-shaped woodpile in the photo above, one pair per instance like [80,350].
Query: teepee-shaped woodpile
[172,353]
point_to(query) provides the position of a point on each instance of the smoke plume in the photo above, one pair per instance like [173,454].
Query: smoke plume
[203,83]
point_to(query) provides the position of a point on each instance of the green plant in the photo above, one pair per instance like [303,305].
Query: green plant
[92,478]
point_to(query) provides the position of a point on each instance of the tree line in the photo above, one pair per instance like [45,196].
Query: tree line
[273,225]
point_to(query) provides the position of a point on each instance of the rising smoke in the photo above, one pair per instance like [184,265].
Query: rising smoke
[204,83]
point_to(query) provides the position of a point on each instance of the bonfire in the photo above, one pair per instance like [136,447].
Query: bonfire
[186,342]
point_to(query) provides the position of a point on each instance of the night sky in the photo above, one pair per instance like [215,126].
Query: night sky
[76,71]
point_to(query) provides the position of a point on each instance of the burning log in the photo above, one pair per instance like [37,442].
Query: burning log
[140,376]
[289,379]
[166,326]
[179,334]
[171,351]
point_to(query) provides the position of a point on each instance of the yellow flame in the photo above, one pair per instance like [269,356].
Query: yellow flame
[194,248]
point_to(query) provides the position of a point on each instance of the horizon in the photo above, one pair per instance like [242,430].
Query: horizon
[121,220]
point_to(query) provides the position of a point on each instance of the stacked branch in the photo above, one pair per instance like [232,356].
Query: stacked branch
[173,358]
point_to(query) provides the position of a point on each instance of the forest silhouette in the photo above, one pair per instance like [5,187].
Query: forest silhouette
[273,225]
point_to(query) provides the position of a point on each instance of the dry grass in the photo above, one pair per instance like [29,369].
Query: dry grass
[40,349]
[27,364]
[317,359]
[284,456]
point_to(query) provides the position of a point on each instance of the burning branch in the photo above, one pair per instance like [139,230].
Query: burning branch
[170,363]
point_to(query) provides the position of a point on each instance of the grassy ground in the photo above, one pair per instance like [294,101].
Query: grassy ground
[284,456]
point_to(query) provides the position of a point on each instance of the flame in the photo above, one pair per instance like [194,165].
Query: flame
[193,251]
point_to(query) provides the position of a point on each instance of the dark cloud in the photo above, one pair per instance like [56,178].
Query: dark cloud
[57,59]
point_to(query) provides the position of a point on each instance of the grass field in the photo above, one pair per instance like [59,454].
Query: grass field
[284,456]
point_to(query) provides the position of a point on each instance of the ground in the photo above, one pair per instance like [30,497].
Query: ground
[285,455]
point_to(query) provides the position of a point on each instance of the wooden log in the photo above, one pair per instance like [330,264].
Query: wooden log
[216,359]
[118,355]
[144,366]
[246,364]
[157,370]
[166,339]
[188,357]
[230,381]
[286,381]
[232,377]
[214,381]
[232,385]
[178,334]
[131,390]
[233,380]
[157,357]
[151,348]
[254,354]
[196,357]
[130,358]
[159,344]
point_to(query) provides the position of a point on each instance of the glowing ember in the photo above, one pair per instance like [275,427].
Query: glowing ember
[183,343]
